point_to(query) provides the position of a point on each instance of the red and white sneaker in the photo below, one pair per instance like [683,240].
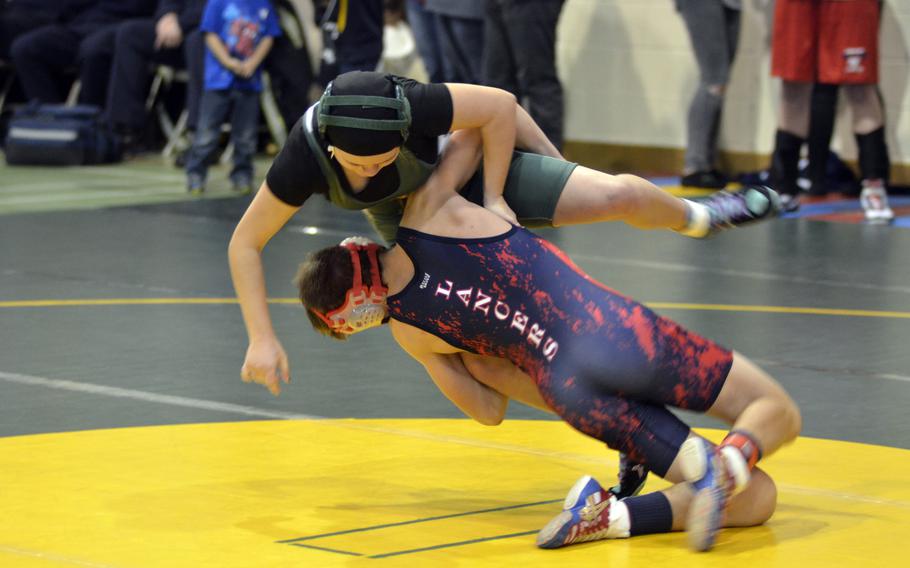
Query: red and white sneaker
[585,516]
[874,200]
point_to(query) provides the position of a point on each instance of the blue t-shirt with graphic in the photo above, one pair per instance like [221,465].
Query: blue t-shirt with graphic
[241,25]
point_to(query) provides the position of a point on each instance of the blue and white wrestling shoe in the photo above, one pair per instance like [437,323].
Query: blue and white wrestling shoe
[585,516]
[705,468]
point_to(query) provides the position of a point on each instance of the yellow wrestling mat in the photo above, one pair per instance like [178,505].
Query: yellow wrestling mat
[400,493]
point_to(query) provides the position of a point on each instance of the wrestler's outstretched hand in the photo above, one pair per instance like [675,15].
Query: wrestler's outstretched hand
[266,363]
[499,206]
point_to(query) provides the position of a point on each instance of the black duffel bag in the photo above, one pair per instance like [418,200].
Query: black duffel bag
[59,135]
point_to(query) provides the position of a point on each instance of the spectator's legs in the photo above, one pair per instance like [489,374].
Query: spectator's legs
[714,32]
[732,22]
[874,162]
[462,44]
[96,54]
[866,107]
[213,109]
[793,127]
[532,33]
[499,68]
[426,36]
[244,127]
[795,99]
[291,74]
[821,127]
[194,55]
[41,57]
[16,22]
[134,48]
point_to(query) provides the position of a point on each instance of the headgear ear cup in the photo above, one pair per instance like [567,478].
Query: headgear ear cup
[364,306]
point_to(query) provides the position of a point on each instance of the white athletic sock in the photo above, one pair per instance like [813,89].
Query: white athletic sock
[620,525]
[737,466]
[699,220]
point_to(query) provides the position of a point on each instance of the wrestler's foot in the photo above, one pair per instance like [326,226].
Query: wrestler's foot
[750,204]
[585,516]
[706,469]
[632,477]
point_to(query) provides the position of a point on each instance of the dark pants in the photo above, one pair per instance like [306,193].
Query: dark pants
[520,57]
[426,30]
[131,73]
[43,56]
[462,46]
[292,75]
[16,22]
[213,110]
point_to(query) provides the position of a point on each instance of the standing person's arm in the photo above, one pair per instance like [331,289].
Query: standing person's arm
[168,28]
[266,362]
[221,53]
[249,65]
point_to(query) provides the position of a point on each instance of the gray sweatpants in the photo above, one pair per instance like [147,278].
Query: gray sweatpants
[714,30]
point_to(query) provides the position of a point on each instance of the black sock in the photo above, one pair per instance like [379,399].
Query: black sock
[649,514]
[821,127]
[785,162]
[873,155]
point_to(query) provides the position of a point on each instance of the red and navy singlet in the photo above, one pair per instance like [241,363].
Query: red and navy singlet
[605,363]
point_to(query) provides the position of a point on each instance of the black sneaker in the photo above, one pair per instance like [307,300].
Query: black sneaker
[737,208]
[706,180]
[632,477]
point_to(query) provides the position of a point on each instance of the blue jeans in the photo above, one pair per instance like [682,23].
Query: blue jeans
[213,110]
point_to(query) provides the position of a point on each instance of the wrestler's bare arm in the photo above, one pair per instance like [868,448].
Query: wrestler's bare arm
[475,399]
[503,376]
[266,361]
[457,164]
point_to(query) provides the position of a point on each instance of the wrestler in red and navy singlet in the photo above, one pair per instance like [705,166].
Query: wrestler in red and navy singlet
[605,363]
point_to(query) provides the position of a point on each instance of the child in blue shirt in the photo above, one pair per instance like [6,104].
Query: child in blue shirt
[239,35]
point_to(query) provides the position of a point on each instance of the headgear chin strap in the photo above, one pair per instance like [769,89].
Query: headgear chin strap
[400,104]
[364,306]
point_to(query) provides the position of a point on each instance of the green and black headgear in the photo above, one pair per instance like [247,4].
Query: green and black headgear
[362,101]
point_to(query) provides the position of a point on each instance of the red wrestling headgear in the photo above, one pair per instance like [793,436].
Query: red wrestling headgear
[364,306]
